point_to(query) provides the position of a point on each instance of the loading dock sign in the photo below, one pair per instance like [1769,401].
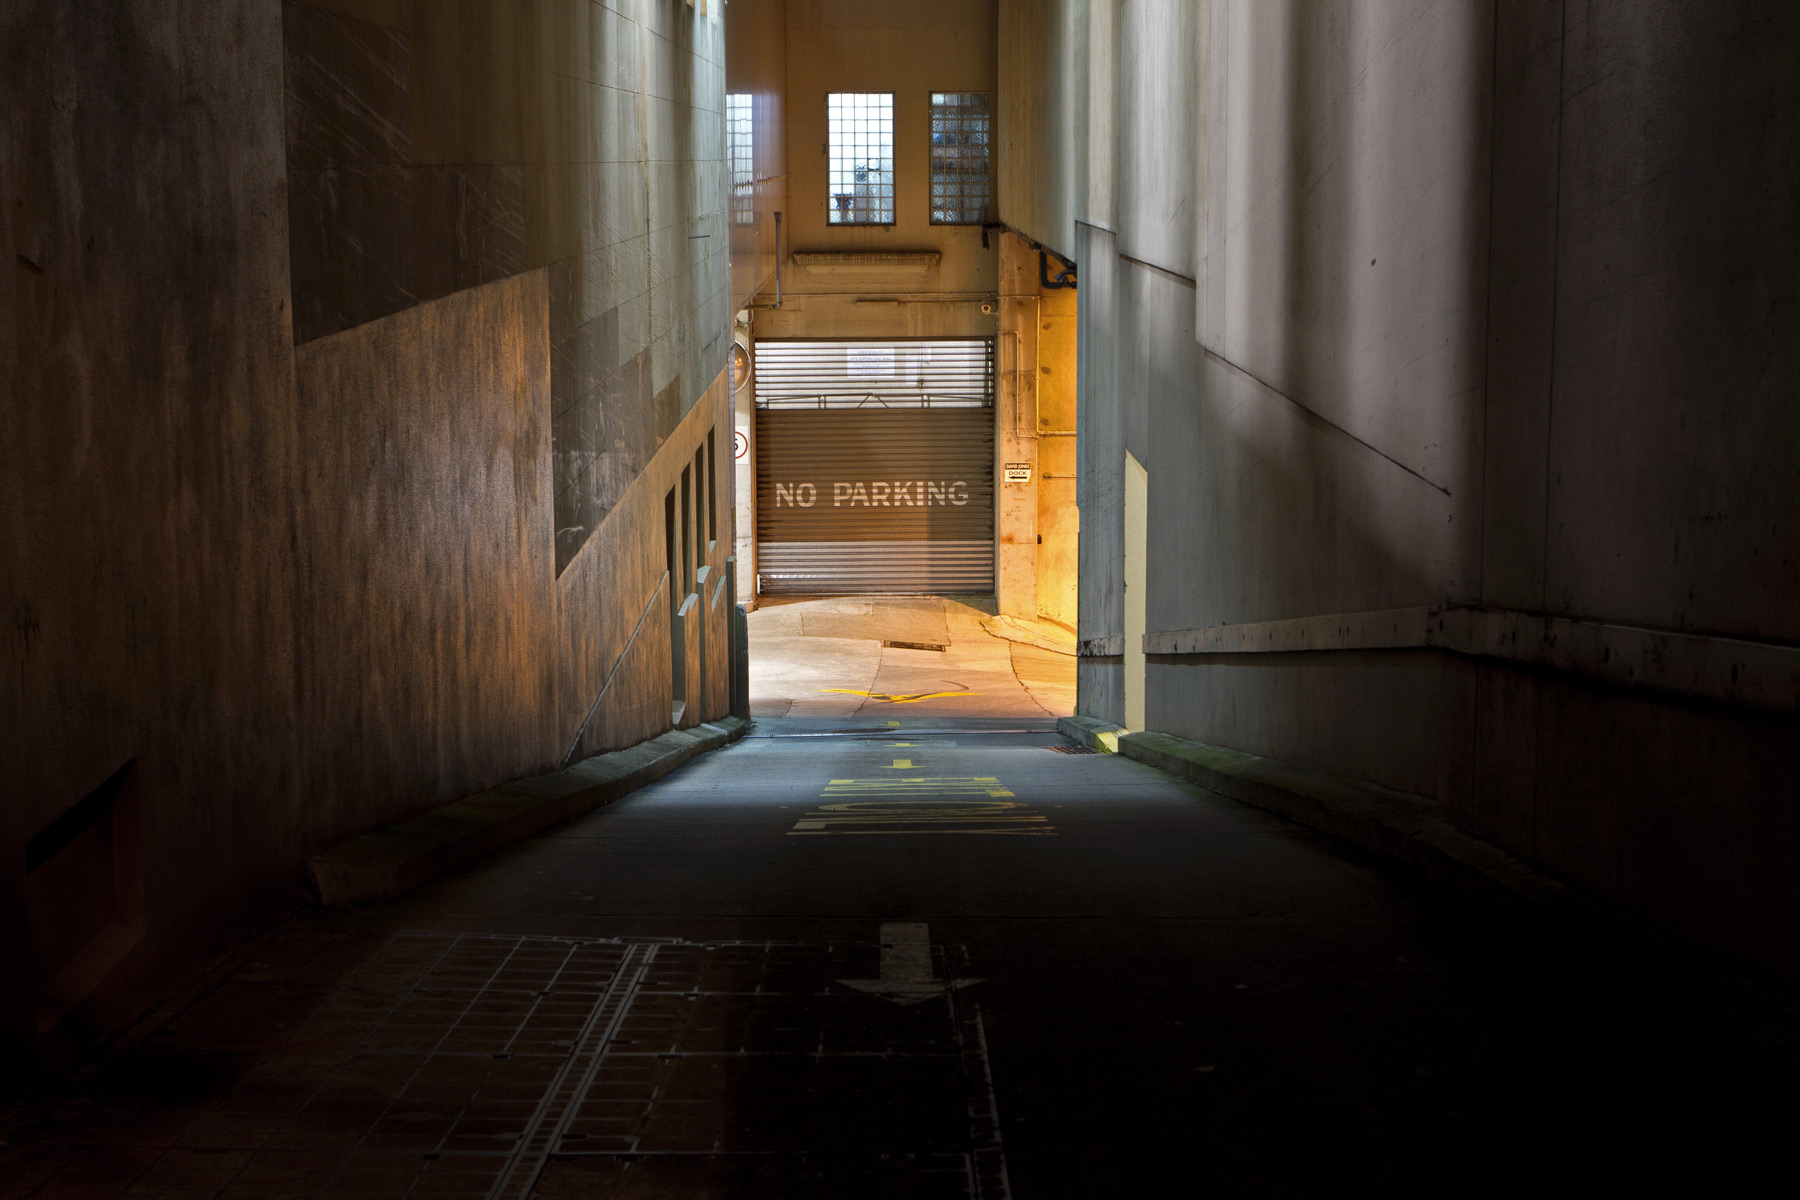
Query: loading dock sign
[1018,472]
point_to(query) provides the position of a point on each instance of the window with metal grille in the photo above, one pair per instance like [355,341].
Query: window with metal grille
[861,158]
[903,373]
[959,158]
[740,148]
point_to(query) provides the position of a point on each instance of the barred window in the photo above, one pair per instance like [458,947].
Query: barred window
[739,148]
[959,158]
[861,158]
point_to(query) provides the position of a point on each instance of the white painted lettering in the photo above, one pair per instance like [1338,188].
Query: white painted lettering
[959,493]
[880,492]
[840,492]
[936,493]
[784,494]
[808,495]
[860,496]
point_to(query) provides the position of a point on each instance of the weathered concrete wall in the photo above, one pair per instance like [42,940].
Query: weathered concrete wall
[1016,431]
[1058,517]
[1037,523]
[910,49]
[1450,304]
[1100,480]
[319,316]
[422,623]
[756,72]
[147,429]
[1043,148]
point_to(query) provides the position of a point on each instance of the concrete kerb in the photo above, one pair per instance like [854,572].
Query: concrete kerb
[1095,735]
[394,859]
[1746,1019]
[1042,634]
[1393,824]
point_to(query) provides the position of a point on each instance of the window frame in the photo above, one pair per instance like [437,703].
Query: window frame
[937,103]
[887,214]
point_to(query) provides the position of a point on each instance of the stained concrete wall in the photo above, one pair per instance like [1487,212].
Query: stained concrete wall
[1450,306]
[1058,517]
[910,49]
[756,71]
[1037,524]
[302,299]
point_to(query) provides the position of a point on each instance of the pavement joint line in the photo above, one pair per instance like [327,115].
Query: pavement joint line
[535,1147]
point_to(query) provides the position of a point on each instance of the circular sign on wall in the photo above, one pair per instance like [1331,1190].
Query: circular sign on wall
[740,445]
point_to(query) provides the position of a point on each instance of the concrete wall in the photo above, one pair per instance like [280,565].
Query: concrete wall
[910,49]
[1037,523]
[1058,517]
[756,68]
[328,323]
[1481,310]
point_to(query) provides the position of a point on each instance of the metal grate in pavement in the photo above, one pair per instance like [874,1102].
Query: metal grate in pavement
[1071,749]
[464,1066]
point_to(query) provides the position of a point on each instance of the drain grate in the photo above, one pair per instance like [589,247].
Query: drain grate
[915,646]
[1071,749]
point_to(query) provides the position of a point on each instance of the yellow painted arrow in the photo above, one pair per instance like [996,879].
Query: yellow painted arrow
[895,698]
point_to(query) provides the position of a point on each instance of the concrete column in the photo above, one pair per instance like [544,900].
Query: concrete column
[743,482]
[1137,586]
[1059,521]
[1015,430]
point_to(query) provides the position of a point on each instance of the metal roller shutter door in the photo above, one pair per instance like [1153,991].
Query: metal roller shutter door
[874,499]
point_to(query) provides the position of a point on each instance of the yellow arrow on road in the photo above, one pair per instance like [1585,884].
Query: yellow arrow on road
[895,697]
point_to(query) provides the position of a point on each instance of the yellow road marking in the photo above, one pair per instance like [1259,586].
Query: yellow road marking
[895,697]
[919,787]
[912,783]
[963,804]
[941,806]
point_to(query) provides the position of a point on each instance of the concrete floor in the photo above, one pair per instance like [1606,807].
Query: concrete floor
[856,955]
[834,658]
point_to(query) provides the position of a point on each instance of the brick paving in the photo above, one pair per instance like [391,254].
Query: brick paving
[473,1065]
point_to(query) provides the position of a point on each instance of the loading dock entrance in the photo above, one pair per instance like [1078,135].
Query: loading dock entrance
[875,466]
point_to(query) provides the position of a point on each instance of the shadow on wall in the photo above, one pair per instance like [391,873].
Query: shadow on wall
[1493,317]
[1334,398]
[324,328]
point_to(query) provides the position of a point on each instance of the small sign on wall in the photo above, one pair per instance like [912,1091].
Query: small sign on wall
[1018,472]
